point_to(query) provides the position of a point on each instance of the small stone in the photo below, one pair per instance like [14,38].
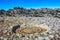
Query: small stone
[56,35]
[58,38]
[5,38]
[23,35]
[51,36]
[40,38]
[36,36]
[50,32]
[1,38]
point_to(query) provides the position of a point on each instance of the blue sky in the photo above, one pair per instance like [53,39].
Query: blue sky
[6,4]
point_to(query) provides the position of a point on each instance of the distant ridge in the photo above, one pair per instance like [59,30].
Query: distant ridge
[23,12]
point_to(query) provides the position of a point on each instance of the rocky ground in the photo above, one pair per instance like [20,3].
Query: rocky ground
[7,24]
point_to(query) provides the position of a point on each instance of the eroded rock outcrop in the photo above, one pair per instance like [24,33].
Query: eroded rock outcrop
[26,29]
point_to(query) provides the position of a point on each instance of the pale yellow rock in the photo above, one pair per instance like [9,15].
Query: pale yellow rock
[30,29]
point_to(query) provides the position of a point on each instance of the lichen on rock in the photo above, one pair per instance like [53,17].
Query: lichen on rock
[31,29]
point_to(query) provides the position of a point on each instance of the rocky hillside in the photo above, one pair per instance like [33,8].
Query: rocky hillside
[23,12]
[8,26]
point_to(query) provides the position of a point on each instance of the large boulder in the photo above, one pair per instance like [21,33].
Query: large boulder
[26,29]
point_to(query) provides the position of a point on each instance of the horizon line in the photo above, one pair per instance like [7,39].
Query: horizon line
[31,7]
